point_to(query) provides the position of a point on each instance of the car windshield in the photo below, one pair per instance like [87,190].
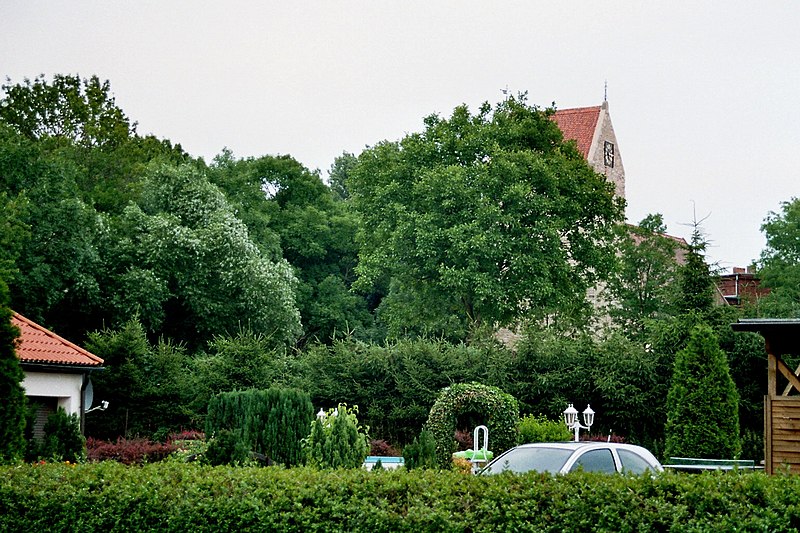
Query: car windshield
[526,459]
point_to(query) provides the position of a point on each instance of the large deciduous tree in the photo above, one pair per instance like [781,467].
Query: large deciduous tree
[488,214]
[643,281]
[187,262]
[779,265]
[290,211]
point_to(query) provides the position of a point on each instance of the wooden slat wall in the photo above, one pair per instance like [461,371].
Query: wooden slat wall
[782,433]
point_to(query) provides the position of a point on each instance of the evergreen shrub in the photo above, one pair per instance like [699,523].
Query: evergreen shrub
[337,440]
[271,422]
[421,453]
[702,404]
[63,439]
[13,411]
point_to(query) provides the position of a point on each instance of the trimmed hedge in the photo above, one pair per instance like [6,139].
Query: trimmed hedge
[179,497]
[500,411]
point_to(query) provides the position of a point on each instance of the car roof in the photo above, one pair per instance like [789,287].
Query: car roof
[571,445]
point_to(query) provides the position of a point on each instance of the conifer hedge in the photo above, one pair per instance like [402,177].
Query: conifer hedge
[271,422]
[12,412]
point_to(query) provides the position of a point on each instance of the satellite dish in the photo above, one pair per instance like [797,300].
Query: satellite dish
[88,396]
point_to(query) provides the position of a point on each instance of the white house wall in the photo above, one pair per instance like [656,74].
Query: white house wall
[65,387]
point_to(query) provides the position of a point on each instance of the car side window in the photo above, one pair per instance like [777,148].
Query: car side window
[596,461]
[632,462]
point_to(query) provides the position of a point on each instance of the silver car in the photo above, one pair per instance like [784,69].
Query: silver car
[563,457]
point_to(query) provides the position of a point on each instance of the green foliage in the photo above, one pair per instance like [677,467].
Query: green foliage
[12,414]
[779,266]
[484,405]
[337,441]
[396,385]
[703,418]
[643,281]
[695,284]
[488,213]
[81,110]
[421,453]
[226,447]
[533,428]
[147,386]
[63,440]
[202,274]
[623,380]
[278,198]
[246,360]
[180,497]
[271,422]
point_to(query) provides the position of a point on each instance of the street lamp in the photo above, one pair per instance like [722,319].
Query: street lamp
[571,419]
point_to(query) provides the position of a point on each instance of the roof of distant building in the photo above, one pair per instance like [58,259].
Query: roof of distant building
[38,344]
[578,124]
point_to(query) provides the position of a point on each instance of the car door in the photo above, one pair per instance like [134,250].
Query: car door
[595,460]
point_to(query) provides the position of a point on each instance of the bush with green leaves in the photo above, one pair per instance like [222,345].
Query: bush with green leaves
[421,453]
[63,440]
[176,497]
[271,422]
[533,428]
[337,440]
[485,405]
[702,404]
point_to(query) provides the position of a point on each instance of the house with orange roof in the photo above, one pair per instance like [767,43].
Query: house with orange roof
[56,372]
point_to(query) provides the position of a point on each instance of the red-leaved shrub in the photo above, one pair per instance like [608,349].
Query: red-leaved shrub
[128,451]
[382,448]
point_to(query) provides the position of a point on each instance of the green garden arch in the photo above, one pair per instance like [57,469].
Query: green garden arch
[500,411]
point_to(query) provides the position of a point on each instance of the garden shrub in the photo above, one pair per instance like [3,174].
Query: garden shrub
[498,410]
[382,448]
[128,451]
[226,448]
[337,440]
[62,438]
[421,453]
[271,422]
[190,497]
[702,404]
[533,428]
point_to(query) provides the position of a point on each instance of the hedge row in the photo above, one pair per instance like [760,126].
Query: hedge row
[178,497]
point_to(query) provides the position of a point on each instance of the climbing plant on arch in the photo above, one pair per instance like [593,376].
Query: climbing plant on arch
[500,410]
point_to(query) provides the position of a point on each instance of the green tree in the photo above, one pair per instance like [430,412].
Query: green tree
[63,440]
[80,110]
[12,415]
[642,284]
[183,255]
[779,265]
[702,404]
[491,214]
[280,200]
[339,174]
[337,440]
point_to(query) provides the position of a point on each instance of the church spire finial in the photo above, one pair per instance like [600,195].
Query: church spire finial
[605,92]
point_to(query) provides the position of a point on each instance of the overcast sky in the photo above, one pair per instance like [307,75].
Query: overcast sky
[703,96]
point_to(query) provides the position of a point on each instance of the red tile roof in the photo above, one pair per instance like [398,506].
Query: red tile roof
[578,124]
[40,345]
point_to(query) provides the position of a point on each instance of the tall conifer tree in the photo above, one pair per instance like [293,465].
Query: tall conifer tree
[12,414]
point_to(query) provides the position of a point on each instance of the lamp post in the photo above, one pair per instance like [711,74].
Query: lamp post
[571,419]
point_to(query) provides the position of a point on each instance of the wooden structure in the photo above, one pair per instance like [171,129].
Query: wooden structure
[781,406]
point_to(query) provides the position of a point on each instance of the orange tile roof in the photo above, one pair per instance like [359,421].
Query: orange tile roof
[40,345]
[578,124]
